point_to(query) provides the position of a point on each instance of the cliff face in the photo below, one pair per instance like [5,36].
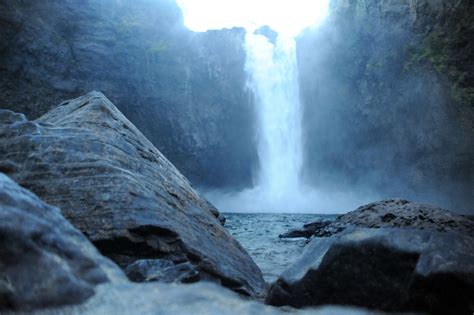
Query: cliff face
[388,93]
[183,90]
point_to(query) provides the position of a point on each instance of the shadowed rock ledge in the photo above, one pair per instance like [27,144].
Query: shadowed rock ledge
[86,158]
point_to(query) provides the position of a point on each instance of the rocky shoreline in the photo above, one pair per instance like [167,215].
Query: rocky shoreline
[394,256]
[99,203]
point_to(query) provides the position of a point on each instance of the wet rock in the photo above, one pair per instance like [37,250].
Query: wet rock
[401,213]
[121,192]
[390,213]
[317,228]
[44,260]
[393,255]
[162,270]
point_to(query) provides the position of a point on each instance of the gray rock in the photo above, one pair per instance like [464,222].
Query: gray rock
[121,192]
[162,270]
[379,262]
[320,228]
[44,260]
[389,213]
[404,213]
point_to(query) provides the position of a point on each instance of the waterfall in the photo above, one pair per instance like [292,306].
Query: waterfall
[273,79]
[272,71]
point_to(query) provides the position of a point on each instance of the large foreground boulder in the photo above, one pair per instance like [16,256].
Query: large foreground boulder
[392,255]
[44,260]
[86,158]
[49,267]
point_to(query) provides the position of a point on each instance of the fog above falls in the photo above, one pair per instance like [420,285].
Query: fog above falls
[287,17]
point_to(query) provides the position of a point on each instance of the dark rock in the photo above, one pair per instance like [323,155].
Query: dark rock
[317,228]
[389,213]
[400,213]
[44,260]
[404,264]
[162,270]
[121,192]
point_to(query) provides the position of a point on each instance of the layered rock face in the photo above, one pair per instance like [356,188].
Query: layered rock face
[387,89]
[44,260]
[121,192]
[392,255]
[185,91]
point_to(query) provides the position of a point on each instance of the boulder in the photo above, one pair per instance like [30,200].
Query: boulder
[86,158]
[319,228]
[162,270]
[44,260]
[393,255]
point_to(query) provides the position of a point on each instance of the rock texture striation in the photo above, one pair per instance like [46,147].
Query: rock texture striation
[393,255]
[44,260]
[120,191]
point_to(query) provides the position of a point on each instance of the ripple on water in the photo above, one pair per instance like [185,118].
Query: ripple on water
[258,234]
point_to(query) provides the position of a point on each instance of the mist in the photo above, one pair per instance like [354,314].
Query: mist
[378,121]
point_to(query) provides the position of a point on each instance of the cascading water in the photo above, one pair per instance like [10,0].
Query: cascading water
[273,79]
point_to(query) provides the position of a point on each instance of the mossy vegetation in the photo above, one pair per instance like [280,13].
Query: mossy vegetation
[446,49]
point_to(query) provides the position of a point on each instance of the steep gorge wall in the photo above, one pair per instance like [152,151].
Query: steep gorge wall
[388,91]
[183,90]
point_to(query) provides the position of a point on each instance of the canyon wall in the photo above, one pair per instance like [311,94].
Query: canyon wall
[183,90]
[388,93]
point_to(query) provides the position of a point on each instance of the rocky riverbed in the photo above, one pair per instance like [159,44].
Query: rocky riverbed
[100,206]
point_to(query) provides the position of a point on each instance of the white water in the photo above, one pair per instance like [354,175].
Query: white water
[273,79]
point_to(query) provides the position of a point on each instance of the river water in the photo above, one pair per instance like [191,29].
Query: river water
[258,234]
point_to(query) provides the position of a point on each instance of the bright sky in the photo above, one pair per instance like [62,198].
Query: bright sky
[287,17]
